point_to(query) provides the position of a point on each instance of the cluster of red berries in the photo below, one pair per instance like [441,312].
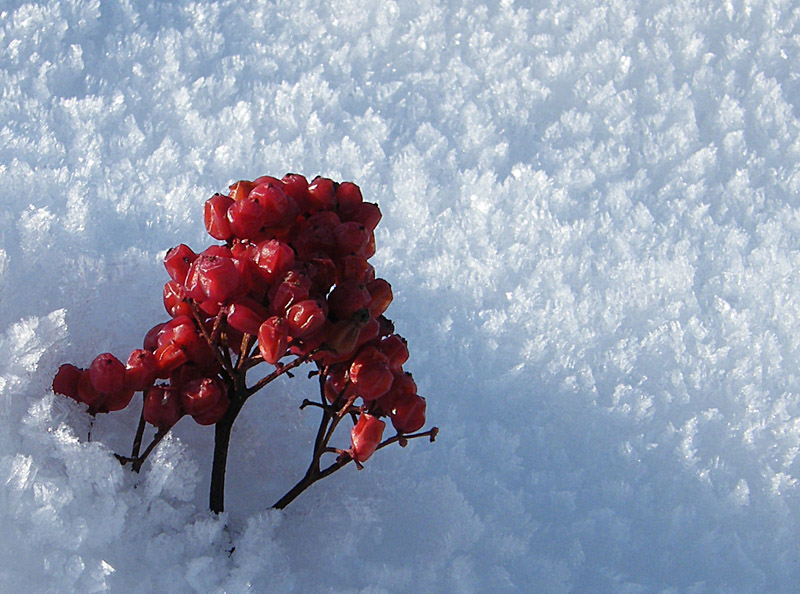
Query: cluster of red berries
[291,278]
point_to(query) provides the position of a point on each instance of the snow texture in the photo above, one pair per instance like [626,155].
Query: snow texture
[591,223]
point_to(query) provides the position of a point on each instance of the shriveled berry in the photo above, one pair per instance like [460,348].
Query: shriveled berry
[151,338]
[272,259]
[273,339]
[351,238]
[177,262]
[247,217]
[368,214]
[278,208]
[211,277]
[215,217]
[240,190]
[365,437]
[305,317]
[246,315]
[107,373]
[296,186]
[175,299]
[87,393]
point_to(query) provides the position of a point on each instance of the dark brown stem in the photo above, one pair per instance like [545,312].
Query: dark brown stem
[278,372]
[137,439]
[138,461]
[314,474]
[222,438]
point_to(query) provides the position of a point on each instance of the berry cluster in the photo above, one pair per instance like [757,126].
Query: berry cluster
[290,283]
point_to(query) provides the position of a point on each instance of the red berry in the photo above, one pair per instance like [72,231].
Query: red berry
[348,197]
[162,407]
[202,394]
[408,413]
[175,300]
[352,268]
[279,209]
[141,370]
[247,217]
[296,186]
[116,401]
[87,393]
[240,190]
[107,373]
[246,315]
[402,386]
[351,238]
[368,214]
[347,298]
[177,262]
[213,278]
[215,217]
[380,292]
[214,414]
[395,348]
[323,194]
[273,259]
[305,317]
[151,338]
[273,339]
[371,374]
[66,380]
[365,437]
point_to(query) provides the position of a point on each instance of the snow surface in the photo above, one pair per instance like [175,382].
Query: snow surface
[591,223]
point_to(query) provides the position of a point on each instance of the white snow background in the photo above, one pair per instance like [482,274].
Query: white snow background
[591,224]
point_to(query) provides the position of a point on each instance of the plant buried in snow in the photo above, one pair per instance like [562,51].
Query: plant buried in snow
[291,284]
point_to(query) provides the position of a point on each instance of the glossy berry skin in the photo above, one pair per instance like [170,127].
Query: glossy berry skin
[365,437]
[141,370]
[215,217]
[305,317]
[272,259]
[323,194]
[107,373]
[162,407]
[370,374]
[247,217]
[200,395]
[246,315]
[408,413]
[212,277]
[214,414]
[273,339]
[177,262]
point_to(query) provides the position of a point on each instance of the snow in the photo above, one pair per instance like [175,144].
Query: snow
[591,225]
